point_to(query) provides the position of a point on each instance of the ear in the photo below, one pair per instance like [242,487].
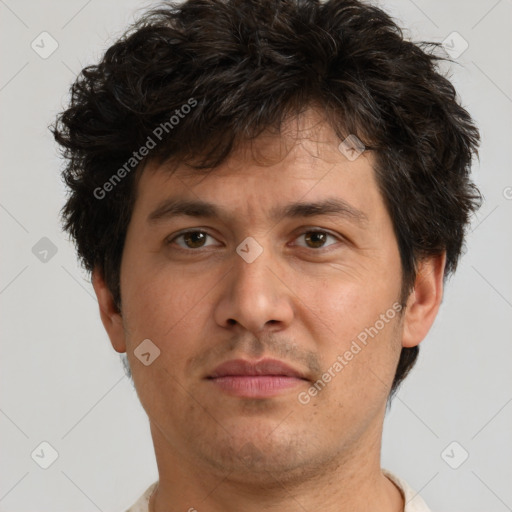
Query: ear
[110,316]
[424,301]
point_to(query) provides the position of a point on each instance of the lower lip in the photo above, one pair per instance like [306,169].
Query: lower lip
[250,386]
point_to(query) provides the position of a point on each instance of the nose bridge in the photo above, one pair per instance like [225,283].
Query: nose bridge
[254,297]
[253,273]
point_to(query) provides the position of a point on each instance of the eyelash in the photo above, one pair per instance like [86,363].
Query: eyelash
[183,233]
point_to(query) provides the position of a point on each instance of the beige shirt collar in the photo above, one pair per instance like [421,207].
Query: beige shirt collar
[413,501]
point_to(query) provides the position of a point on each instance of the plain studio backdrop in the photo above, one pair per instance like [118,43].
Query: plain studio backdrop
[449,430]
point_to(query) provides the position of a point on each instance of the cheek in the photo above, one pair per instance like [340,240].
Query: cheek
[356,330]
[342,308]
[164,305]
[168,309]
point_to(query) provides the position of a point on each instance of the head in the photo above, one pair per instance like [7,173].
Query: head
[244,104]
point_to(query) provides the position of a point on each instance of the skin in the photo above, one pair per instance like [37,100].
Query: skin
[302,301]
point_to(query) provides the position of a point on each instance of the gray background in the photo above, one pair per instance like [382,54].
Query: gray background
[61,382]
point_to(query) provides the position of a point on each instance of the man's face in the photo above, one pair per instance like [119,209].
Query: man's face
[210,297]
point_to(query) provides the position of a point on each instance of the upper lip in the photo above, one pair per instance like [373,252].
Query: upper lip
[242,367]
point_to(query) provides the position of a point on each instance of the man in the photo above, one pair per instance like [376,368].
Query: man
[269,196]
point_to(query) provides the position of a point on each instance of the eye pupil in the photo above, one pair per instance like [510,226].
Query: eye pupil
[194,236]
[315,236]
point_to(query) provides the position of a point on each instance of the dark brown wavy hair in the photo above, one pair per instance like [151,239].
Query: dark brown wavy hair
[249,65]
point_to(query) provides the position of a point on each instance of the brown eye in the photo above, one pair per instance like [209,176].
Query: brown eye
[194,239]
[316,239]
[191,239]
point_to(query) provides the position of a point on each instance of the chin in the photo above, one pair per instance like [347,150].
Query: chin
[252,455]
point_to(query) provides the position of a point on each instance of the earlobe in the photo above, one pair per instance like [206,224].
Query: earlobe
[110,316]
[424,301]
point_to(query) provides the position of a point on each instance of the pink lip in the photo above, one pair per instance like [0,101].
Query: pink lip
[261,379]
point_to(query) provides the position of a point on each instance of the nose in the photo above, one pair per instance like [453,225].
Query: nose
[255,295]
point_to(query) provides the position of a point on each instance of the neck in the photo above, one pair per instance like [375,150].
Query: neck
[350,482]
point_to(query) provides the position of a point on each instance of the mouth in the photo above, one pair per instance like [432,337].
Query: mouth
[255,379]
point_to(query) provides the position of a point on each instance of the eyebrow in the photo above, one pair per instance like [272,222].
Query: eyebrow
[170,208]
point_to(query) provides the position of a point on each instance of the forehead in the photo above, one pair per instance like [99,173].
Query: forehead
[307,137]
[302,162]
